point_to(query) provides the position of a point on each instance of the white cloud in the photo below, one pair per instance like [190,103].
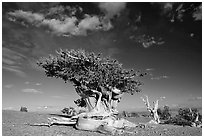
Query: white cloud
[11,61]
[198,13]
[112,8]
[10,57]
[160,77]
[28,16]
[89,23]
[148,44]
[167,7]
[27,82]
[149,69]
[31,91]
[146,40]
[7,61]
[15,70]
[61,27]
[67,24]
[8,86]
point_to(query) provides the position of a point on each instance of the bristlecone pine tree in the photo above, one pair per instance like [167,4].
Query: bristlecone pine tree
[99,81]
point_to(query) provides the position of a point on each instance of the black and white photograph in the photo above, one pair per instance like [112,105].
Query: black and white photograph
[102,68]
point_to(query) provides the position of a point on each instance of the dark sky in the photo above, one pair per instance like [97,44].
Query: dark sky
[163,39]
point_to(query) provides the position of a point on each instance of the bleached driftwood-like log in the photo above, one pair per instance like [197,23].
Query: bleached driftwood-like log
[105,125]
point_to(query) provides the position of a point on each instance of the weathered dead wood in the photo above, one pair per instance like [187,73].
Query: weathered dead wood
[153,110]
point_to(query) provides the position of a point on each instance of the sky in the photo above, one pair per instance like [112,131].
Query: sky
[163,39]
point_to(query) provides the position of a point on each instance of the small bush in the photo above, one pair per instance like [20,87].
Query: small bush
[178,120]
[185,116]
[70,111]
[23,109]
[165,113]
[125,114]
[189,114]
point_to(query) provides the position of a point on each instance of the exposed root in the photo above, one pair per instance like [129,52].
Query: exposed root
[61,121]
[103,124]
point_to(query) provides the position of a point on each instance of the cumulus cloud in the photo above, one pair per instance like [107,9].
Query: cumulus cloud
[34,91]
[146,40]
[112,8]
[198,13]
[38,84]
[28,16]
[89,23]
[168,6]
[63,23]
[61,27]
[176,11]
[8,86]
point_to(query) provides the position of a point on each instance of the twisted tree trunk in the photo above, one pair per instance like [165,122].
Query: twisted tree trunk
[100,114]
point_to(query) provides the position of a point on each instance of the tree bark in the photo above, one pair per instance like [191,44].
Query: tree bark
[153,110]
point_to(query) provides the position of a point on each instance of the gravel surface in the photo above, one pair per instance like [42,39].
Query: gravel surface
[15,123]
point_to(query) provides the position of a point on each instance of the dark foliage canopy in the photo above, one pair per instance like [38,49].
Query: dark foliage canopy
[185,116]
[90,69]
[164,114]
[70,111]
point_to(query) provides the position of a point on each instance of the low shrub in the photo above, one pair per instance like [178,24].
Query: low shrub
[165,113]
[70,111]
[23,109]
[185,117]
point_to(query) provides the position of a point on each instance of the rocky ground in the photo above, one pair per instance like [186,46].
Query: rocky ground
[15,123]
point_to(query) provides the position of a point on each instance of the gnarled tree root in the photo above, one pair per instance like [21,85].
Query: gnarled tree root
[109,125]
